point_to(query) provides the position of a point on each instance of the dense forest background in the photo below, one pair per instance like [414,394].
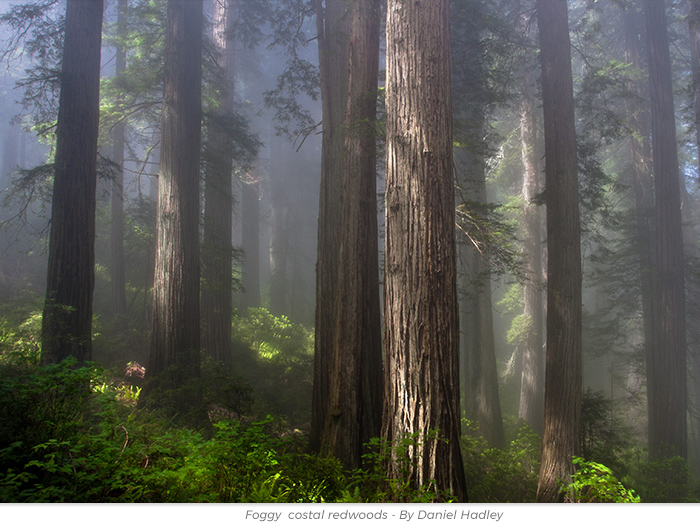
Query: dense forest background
[349,250]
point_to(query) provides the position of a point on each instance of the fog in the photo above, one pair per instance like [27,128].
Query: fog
[278,101]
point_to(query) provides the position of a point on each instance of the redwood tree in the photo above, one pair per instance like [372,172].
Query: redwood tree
[117,268]
[175,330]
[420,294]
[332,22]
[531,406]
[354,409]
[666,366]
[688,234]
[67,319]
[563,373]
[217,247]
[250,239]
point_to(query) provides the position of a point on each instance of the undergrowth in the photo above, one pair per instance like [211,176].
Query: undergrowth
[72,433]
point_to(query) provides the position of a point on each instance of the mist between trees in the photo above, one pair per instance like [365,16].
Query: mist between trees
[350,250]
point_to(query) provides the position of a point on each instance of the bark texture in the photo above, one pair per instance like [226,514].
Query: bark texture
[175,330]
[563,371]
[333,24]
[355,394]
[420,301]
[67,319]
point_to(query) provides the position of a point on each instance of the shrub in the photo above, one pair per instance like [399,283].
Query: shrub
[21,345]
[276,357]
[69,434]
[660,481]
[595,483]
[371,485]
[506,475]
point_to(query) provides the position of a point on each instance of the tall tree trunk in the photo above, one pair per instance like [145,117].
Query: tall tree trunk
[149,278]
[355,393]
[531,408]
[563,372]
[67,320]
[250,241]
[666,375]
[175,329]
[420,294]
[217,247]
[477,342]
[280,214]
[642,184]
[117,269]
[332,22]
[689,241]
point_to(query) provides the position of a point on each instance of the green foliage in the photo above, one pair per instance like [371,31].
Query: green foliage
[496,475]
[71,434]
[519,329]
[252,463]
[300,81]
[36,31]
[76,435]
[488,228]
[595,483]
[20,343]
[276,356]
[42,410]
[603,438]
[223,394]
[512,300]
[371,485]
[660,481]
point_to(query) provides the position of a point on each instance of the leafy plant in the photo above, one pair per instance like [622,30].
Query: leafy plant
[660,481]
[595,483]
[276,357]
[371,485]
[72,434]
[20,339]
[501,475]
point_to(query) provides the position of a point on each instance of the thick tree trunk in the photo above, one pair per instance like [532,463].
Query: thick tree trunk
[333,44]
[217,247]
[421,311]
[67,320]
[666,375]
[355,393]
[563,372]
[175,329]
[117,270]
